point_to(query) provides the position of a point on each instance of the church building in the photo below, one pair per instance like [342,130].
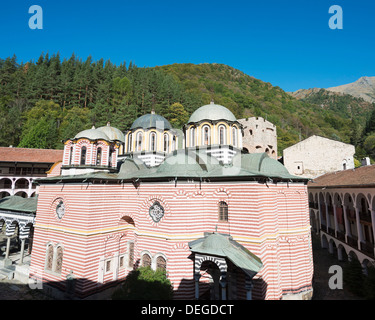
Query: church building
[224,223]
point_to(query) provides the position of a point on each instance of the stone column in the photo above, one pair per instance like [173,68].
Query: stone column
[7,262]
[328,220]
[359,228]
[335,219]
[7,249]
[223,284]
[373,224]
[196,278]
[347,225]
[22,252]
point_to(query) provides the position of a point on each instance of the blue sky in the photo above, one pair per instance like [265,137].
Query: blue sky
[285,42]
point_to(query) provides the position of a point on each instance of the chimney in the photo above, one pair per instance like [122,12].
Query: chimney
[365,161]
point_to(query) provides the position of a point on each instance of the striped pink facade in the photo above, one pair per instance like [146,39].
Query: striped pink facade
[101,220]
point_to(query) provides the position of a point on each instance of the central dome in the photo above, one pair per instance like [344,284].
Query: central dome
[212,111]
[151,120]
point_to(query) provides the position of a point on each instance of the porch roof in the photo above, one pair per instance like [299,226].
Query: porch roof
[224,246]
[19,204]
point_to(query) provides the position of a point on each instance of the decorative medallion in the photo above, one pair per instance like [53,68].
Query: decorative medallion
[60,209]
[156,211]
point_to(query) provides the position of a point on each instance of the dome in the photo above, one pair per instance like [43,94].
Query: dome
[182,163]
[112,133]
[92,134]
[151,120]
[212,111]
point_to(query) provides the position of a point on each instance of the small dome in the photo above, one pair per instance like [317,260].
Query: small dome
[92,134]
[182,163]
[151,120]
[112,133]
[212,111]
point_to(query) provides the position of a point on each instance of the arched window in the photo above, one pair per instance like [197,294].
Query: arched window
[166,143]
[174,143]
[146,260]
[234,136]
[49,258]
[83,155]
[71,155]
[222,135]
[152,141]
[206,135]
[138,141]
[59,259]
[131,255]
[192,137]
[161,263]
[99,156]
[130,142]
[223,211]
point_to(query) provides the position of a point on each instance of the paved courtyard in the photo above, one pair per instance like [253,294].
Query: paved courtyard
[15,290]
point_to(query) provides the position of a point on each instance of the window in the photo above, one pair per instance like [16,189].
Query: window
[49,262]
[108,266]
[59,259]
[99,156]
[234,136]
[223,211]
[130,142]
[222,135]
[131,254]
[206,135]
[166,143]
[192,137]
[174,143]
[121,263]
[83,155]
[161,263]
[138,141]
[152,141]
[54,258]
[146,260]
[71,155]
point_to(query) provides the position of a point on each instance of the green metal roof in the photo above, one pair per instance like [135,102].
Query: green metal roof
[212,112]
[224,246]
[92,134]
[19,204]
[112,133]
[151,120]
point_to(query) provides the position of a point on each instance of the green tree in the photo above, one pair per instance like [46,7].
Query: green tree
[369,145]
[41,129]
[177,115]
[145,284]
[41,136]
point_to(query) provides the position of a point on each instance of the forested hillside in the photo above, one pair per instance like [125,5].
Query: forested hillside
[45,101]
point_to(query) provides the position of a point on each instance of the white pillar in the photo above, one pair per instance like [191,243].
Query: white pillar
[22,250]
[347,225]
[359,228]
[373,224]
[335,219]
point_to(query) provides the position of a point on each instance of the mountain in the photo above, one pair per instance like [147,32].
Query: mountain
[52,99]
[363,88]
